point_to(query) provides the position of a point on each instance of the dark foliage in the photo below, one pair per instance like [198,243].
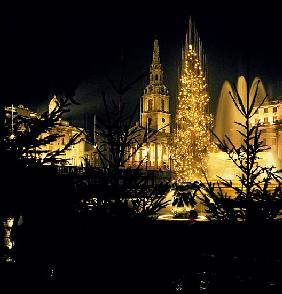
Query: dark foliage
[117,189]
[30,191]
[30,136]
[184,199]
[258,197]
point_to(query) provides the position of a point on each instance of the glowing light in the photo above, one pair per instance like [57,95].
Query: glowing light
[170,217]
[9,222]
[220,165]
[191,142]
[94,132]
[12,137]
[267,159]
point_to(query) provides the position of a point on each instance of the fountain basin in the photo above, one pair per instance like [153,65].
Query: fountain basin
[171,217]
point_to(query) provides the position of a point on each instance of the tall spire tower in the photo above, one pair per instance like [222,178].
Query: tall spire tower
[191,140]
[155,101]
[155,113]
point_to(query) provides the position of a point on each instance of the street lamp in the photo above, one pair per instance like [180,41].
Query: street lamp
[170,165]
[12,136]
[94,135]
[147,152]
[170,162]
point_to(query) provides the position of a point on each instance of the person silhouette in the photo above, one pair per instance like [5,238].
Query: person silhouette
[193,215]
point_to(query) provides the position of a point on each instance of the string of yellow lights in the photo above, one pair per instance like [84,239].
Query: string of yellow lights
[191,140]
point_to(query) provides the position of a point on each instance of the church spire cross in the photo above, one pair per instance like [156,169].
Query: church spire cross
[156,72]
[156,52]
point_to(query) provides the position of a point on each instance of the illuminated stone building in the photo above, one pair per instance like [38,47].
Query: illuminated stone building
[269,115]
[155,116]
[21,111]
[75,155]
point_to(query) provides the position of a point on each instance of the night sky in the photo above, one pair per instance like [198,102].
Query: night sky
[47,49]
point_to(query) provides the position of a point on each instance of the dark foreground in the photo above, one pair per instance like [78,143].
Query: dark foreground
[161,257]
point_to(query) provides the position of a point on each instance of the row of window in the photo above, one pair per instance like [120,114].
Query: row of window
[150,105]
[265,109]
[266,120]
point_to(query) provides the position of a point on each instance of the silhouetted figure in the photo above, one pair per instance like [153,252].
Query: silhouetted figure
[193,215]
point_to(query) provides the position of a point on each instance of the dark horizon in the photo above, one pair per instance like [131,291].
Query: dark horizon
[50,49]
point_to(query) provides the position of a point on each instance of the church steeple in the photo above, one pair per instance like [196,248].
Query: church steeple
[154,115]
[155,101]
[156,73]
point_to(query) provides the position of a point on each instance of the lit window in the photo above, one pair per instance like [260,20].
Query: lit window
[275,119]
[274,109]
[265,120]
[257,120]
[265,110]
[150,105]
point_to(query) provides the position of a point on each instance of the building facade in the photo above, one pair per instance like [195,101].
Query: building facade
[155,118]
[269,115]
[74,155]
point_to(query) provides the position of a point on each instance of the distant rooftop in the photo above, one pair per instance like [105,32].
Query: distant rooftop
[273,100]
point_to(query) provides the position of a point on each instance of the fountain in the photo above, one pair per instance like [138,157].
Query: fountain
[226,115]
[184,204]
[219,164]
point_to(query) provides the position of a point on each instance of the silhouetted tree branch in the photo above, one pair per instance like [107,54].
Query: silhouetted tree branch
[255,200]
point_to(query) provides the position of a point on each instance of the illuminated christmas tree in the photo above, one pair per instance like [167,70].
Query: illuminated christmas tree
[192,122]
